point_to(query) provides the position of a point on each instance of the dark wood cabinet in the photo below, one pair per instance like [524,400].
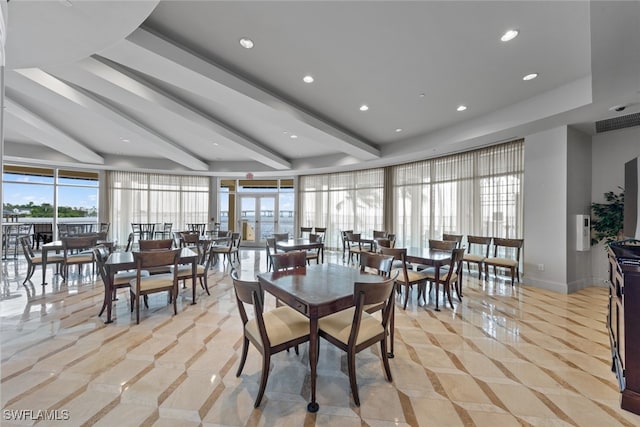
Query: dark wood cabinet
[623,321]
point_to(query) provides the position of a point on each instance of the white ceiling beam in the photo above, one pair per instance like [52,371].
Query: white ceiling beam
[205,124]
[165,60]
[84,98]
[35,127]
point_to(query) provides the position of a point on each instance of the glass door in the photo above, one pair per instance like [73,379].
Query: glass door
[258,218]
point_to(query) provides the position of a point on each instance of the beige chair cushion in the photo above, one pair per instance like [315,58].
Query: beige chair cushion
[185,270]
[413,276]
[339,325]
[78,259]
[125,276]
[282,324]
[431,276]
[503,262]
[153,282]
[473,258]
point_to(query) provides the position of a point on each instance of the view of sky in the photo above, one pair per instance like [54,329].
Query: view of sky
[31,189]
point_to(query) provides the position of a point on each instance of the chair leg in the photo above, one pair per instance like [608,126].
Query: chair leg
[205,284]
[406,296]
[385,359]
[266,362]
[243,358]
[351,362]
[138,311]
[174,296]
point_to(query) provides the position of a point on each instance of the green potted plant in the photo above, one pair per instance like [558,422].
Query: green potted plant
[607,218]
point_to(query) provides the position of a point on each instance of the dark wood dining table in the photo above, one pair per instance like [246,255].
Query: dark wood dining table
[315,291]
[56,246]
[430,257]
[119,261]
[300,245]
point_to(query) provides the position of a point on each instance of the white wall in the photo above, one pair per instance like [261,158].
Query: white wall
[545,204]
[610,151]
[579,273]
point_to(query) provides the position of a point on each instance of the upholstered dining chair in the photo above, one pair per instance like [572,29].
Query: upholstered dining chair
[354,245]
[506,254]
[77,250]
[477,252]
[450,276]
[230,249]
[270,332]
[121,279]
[143,285]
[406,276]
[354,330]
[34,261]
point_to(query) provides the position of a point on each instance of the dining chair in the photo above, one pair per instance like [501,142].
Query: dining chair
[34,261]
[270,332]
[305,231]
[229,249]
[354,245]
[147,230]
[450,276]
[320,231]
[165,232]
[315,252]
[506,254]
[135,229]
[477,252]
[77,250]
[190,239]
[343,235]
[354,330]
[271,249]
[121,279]
[14,234]
[168,282]
[289,260]
[197,227]
[406,277]
[454,238]
[202,268]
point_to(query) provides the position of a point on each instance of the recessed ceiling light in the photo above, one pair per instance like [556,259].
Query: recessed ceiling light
[286,132]
[509,35]
[293,136]
[307,79]
[422,95]
[530,76]
[216,144]
[461,107]
[123,139]
[364,107]
[246,43]
[398,129]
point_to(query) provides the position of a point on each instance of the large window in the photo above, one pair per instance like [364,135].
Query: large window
[155,198]
[478,193]
[342,201]
[35,195]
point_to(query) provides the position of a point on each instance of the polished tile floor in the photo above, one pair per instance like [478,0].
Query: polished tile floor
[503,357]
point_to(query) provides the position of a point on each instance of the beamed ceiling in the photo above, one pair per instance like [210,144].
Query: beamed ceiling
[166,86]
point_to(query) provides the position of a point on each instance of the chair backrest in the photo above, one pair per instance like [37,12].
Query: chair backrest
[453,238]
[271,246]
[204,253]
[365,294]
[129,242]
[104,227]
[78,242]
[379,262]
[250,293]
[377,234]
[236,239]
[281,237]
[399,254]
[26,247]
[384,243]
[167,226]
[305,230]
[507,248]
[288,260]
[150,245]
[442,245]
[344,234]
[320,230]
[135,227]
[147,259]
[190,238]
[315,238]
[223,233]
[458,255]
[197,227]
[479,245]
[100,254]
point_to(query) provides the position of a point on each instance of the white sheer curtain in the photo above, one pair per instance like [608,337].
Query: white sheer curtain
[477,192]
[342,201]
[159,198]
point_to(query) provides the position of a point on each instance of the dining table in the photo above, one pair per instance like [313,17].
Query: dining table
[301,244]
[316,291]
[120,261]
[430,257]
[56,246]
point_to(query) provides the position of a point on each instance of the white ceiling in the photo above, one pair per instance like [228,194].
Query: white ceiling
[166,86]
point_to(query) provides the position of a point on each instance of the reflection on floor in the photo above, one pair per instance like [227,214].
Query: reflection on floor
[504,356]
